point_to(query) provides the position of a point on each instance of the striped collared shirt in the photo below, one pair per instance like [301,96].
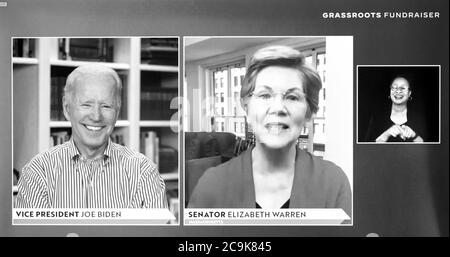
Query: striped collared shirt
[61,178]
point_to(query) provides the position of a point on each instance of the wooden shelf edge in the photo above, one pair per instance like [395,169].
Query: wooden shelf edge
[158,123]
[170,176]
[161,68]
[24,60]
[67,63]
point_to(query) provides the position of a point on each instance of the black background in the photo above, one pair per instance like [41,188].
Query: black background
[374,95]
[399,190]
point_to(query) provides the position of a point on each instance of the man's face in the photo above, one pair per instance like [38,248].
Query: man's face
[92,109]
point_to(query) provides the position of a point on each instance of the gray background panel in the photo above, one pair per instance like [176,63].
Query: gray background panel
[399,190]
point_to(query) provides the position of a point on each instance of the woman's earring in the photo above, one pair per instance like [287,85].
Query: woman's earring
[410,98]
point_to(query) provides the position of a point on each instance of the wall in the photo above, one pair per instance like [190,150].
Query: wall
[339,107]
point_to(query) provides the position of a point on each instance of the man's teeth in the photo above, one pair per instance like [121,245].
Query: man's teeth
[93,128]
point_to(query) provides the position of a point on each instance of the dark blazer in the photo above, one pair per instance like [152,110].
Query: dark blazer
[381,121]
[317,184]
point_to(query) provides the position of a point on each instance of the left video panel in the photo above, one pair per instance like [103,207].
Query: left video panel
[95,130]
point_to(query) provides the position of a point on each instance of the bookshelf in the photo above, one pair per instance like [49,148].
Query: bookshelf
[149,72]
[24,60]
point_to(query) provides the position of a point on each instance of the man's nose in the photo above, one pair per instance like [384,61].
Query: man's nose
[96,113]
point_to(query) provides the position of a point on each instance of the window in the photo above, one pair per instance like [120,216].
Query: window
[231,113]
[316,58]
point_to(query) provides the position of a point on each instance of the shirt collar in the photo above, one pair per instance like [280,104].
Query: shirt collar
[75,153]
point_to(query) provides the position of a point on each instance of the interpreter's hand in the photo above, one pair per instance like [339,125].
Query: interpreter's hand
[407,132]
[393,131]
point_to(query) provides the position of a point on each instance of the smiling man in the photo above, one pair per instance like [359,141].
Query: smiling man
[90,171]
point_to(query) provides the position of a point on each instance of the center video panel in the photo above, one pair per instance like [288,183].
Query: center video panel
[264,139]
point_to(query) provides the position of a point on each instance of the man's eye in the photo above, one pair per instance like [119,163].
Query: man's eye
[107,106]
[86,105]
[264,96]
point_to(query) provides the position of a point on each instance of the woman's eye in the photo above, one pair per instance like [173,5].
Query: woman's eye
[293,97]
[85,105]
[107,106]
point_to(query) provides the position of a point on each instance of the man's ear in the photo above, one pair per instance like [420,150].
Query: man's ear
[66,107]
[119,106]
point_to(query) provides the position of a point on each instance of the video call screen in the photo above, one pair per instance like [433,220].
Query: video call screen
[206,120]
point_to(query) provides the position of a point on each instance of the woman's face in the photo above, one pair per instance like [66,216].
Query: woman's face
[277,108]
[400,92]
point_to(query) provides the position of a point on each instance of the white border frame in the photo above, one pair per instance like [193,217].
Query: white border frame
[184,139]
[395,143]
[179,129]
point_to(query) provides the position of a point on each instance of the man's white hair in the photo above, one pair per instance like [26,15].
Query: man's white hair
[92,70]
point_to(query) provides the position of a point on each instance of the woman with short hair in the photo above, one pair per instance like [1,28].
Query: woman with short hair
[279,94]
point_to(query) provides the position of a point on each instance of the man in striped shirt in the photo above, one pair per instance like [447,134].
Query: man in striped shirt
[90,171]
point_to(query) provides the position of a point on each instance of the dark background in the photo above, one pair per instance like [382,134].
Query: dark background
[399,190]
[374,96]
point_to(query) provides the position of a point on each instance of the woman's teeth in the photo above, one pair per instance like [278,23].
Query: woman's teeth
[276,128]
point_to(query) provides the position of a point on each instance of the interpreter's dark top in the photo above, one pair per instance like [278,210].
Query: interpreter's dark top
[380,122]
[317,184]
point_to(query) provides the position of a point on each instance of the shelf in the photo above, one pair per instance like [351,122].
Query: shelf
[170,176]
[64,63]
[158,123]
[122,123]
[24,60]
[60,124]
[66,124]
[161,68]
[160,48]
